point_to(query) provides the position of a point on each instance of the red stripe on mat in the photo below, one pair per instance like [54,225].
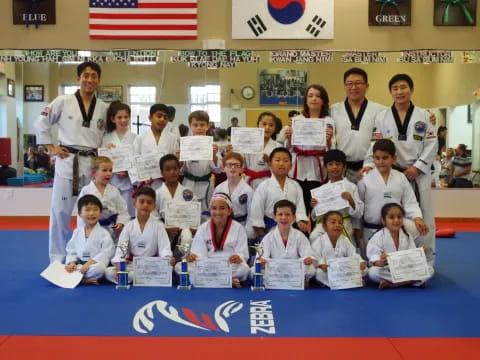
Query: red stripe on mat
[61,347]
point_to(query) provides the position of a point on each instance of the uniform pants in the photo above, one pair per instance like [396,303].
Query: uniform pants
[424,182]
[96,270]
[322,276]
[377,274]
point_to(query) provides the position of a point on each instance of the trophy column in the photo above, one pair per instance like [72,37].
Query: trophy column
[122,276]
[258,274]
[184,280]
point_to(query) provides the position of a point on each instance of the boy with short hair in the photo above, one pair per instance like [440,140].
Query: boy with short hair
[90,247]
[197,174]
[144,236]
[285,242]
[115,211]
[276,188]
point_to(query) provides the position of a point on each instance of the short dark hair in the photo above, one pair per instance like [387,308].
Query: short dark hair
[94,66]
[284,204]
[158,107]
[199,115]
[293,113]
[335,155]
[113,109]
[88,200]
[330,213]
[325,110]
[183,129]
[280,150]
[147,191]
[441,129]
[168,157]
[355,71]
[233,119]
[384,145]
[400,77]
[462,147]
[171,112]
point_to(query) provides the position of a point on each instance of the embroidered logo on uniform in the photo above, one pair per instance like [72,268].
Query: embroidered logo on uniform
[430,135]
[243,199]
[187,195]
[46,111]
[417,137]
[420,126]
[100,124]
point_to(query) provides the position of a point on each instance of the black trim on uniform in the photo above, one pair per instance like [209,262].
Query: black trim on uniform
[87,118]
[402,128]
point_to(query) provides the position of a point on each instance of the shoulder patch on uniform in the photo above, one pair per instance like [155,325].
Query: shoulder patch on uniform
[187,195]
[420,126]
[242,199]
[46,111]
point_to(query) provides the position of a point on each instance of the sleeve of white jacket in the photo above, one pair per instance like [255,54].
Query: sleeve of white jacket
[164,249]
[106,253]
[48,118]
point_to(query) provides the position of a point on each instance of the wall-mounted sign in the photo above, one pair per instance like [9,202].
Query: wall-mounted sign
[364,57]
[389,12]
[471,57]
[455,12]
[53,56]
[33,12]
[214,59]
[426,57]
[301,56]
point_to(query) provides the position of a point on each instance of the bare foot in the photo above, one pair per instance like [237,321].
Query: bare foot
[307,283]
[236,283]
[92,280]
[384,284]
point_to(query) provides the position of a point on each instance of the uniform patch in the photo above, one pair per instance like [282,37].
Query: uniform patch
[242,199]
[187,195]
[376,136]
[417,137]
[420,126]
[100,124]
[46,111]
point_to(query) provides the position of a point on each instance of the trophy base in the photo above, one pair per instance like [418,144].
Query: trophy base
[254,288]
[180,287]
[123,287]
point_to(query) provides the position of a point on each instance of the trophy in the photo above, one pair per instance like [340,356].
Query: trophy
[184,281]
[258,275]
[123,273]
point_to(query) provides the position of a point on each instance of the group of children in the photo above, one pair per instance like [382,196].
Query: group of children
[264,205]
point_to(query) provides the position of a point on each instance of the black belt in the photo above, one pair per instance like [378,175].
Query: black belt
[77,153]
[372,226]
[355,165]
[414,183]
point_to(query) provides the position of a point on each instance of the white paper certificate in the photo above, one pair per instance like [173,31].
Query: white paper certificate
[56,274]
[121,156]
[196,148]
[284,274]
[309,132]
[329,197]
[183,215]
[344,273]
[247,140]
[152,271]
[213,273]
[407,265]
[145,167]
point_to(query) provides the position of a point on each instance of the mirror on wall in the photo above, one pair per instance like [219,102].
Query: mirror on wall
[231,83]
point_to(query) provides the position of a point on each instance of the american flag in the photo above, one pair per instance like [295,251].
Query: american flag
[143,19]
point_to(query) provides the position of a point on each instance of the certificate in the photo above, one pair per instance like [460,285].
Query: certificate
[152,271]
[120,155]
[309,132]
[214,272]
[145,167]
[196,148]
[344,273]
[284,274]
[407,265]
[329,197]
[184,215]
[247,140]
[56,274]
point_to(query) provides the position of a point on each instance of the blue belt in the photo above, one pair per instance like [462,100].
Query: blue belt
[108,221]
[269,223]
[372,226]
[241,218]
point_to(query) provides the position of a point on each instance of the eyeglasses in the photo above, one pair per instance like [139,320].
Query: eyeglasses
[350,84]
[233,165]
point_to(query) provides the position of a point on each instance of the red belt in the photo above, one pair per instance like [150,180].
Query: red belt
[314,153]
[254,175]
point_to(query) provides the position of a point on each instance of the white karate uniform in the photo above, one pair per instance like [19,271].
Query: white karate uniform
[124,185]
[351,217]
[235,244]
[298,247]
[112,203]
[153,241]
[64,112]
[173,128]
[255,162]
[145,143]
[375,193]
[382,242]
[163,198]
[268,193]
[97,246]
[354,143]
[323,250]
[307,167]
[419,150]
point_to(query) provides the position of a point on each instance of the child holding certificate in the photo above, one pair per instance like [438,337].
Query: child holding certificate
[286,242]
[91,247]
[143,236]
[333,244]
[118,133]
[392,237]
[256,165]
[277,187]
[197,174]
[336,165]
[114,213]
[221,237]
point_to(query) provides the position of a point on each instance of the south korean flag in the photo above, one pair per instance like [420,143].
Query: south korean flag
[282,19]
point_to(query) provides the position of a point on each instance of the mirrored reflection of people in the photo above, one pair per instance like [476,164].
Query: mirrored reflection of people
[44,162]
[80,119]
[234,123]
[442,139]
[30,159]
[446,167]
[211,129]
[462,169]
